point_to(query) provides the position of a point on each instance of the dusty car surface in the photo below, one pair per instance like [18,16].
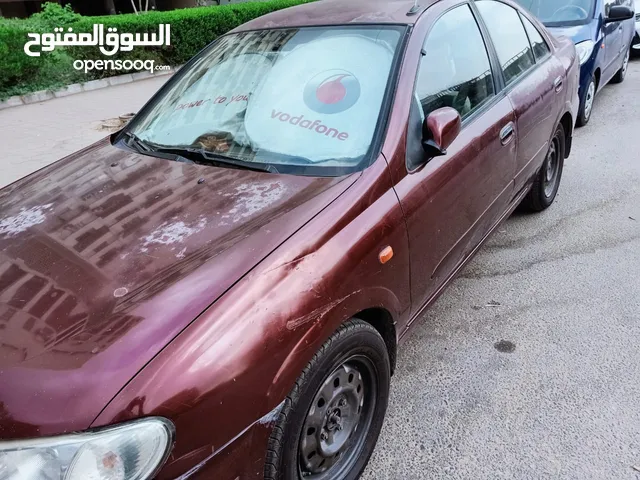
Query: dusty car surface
[218,290]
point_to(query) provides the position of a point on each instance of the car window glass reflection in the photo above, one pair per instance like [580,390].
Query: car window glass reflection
[509,38]
[540,47]
[455,69]
[560,11]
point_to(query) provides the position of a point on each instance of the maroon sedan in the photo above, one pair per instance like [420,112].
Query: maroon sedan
[218,290]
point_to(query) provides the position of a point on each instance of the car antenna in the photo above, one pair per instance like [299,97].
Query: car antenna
[413,10]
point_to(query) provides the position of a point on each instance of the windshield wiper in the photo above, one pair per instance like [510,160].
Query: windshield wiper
[136,142]
[150,149]
[200,155]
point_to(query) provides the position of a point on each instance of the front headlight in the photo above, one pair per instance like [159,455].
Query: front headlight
[584,50]
[129,451]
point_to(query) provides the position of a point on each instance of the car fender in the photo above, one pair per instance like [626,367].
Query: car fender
[239,359]
[321,323]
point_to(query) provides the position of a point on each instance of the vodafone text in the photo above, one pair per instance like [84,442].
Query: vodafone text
[316,125]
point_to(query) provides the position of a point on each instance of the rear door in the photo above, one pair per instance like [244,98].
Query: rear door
[452,201]
[628,27]
[612,40]
[534,79]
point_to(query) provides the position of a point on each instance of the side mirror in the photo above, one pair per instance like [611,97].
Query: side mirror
[439,130]
[617,13]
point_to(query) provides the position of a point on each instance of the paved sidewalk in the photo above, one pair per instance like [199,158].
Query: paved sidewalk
[64,125]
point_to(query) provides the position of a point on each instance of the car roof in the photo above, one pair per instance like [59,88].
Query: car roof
[340,12]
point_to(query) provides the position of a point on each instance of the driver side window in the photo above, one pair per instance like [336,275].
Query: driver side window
[455,70]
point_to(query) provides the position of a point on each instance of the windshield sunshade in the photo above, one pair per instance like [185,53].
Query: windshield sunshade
[293,98]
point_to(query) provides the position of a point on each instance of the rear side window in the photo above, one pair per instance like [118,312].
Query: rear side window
[455,69]
[509,38]
[540,47]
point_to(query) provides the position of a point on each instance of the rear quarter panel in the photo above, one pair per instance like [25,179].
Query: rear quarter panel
[566,54]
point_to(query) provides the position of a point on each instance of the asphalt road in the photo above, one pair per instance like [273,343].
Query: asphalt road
[565,403]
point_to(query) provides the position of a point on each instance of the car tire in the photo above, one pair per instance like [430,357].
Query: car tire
[337,405]
[586,102]
[622,73]
[547,181]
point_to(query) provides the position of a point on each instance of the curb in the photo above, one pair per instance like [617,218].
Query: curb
[44,95]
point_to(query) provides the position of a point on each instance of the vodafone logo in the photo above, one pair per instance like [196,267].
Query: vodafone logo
[332,91]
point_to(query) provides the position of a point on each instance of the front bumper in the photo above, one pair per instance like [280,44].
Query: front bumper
[635,43]
[242,457]
[586,72]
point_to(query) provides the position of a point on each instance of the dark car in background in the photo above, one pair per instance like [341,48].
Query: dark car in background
[218,290]
[603,31]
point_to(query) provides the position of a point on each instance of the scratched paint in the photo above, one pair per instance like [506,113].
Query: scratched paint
[318,314]
[252,198]
[272,416]
[267,419]
[24,220]
[172,233]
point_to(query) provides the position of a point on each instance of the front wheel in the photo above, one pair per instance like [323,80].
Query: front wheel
[330,422]
[545,186]
[586,102]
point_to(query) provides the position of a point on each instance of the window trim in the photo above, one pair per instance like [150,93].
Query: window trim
[548,54]
[497,85]
[501,89]
[497,80]
[506,89]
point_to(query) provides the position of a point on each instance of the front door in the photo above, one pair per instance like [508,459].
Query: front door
[533,91]
[452,201]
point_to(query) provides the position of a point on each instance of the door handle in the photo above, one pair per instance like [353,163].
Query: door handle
[558,84]
[506,134]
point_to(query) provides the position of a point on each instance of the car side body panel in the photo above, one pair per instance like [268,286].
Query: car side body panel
[535,102]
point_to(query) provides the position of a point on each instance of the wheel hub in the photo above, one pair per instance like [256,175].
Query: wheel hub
[335,421]
[551,168]
[588,103]
[332,421]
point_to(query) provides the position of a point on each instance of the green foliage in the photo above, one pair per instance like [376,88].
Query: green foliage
[53,72]
[15,65]
[192,29]
[54,15]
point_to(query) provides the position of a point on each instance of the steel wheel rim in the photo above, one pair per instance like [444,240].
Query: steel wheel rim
[338,421]
[588,101]
[551,167]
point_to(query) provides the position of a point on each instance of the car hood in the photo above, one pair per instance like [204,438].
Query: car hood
[577,33]
[106,256]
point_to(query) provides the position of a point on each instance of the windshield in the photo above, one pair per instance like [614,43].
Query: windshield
[304,100]
[555,13]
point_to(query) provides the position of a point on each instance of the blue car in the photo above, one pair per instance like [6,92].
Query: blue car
[603,31]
